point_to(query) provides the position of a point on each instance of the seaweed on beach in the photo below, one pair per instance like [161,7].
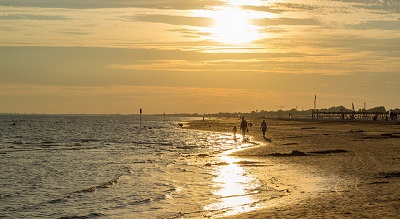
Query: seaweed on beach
[246,162]
[217,164]
[389,175]
[329,151]
[203,155]
[291,143]
[379,182]
[383,136]
[390,135]
[292,154]
[357,130]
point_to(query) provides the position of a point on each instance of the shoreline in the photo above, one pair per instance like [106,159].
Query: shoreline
[326,168]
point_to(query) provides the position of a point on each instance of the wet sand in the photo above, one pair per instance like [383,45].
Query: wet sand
[325,169]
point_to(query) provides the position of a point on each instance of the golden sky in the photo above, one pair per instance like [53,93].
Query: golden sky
[180,56]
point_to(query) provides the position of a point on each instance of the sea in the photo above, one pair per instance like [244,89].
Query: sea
[120,166]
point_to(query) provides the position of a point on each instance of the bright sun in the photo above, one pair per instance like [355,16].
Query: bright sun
[232,26]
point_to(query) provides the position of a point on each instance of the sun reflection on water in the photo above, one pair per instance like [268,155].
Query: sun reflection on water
[234,187]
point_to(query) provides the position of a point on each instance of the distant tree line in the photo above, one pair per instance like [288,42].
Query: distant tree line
[285,113]
[293,112]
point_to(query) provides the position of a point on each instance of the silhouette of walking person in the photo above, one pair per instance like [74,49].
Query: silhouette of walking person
[243,127]
[263,128]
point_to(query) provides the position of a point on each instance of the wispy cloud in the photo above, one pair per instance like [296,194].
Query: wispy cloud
[379,25]
[87,4]
[175,20]
[287,21]
[31,17]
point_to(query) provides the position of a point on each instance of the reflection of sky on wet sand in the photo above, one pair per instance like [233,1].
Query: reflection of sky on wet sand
[234,188]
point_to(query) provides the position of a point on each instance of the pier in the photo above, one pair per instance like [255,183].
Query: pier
[350,115]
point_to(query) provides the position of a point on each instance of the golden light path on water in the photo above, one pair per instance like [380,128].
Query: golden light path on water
[234,186]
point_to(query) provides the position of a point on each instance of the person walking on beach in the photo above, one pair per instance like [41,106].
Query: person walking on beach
[234,131]
[263,127]
[243,126]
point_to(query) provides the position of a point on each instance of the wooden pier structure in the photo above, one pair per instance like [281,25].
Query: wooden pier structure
[350,115]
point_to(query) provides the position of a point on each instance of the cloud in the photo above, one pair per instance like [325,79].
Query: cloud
[378,25]
[80,4]
[175,20]
[163,65]
[32,17]
[379,6]
[296,5]
[287,21]
[263,8]
[73,32]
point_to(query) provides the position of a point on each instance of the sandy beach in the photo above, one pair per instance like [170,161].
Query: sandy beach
[325,169]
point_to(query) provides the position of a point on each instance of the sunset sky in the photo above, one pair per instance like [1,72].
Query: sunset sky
[187,56]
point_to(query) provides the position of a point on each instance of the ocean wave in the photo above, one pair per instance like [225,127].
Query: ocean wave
[85,140]
[152,143]
[49,147]
[49,142]
[16,142]
[91,215]
[101,186]
[141,201]
[87,190]
[186,147]
[155,198]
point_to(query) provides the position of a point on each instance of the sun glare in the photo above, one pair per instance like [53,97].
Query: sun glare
[232,26]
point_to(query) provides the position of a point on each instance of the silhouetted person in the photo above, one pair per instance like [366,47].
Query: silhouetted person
[234,131]
[243,126]
[393,115]
[263,127]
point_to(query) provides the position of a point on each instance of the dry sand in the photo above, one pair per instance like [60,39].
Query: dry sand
[338,170]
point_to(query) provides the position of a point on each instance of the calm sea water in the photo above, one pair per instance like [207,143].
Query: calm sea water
[104,166]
